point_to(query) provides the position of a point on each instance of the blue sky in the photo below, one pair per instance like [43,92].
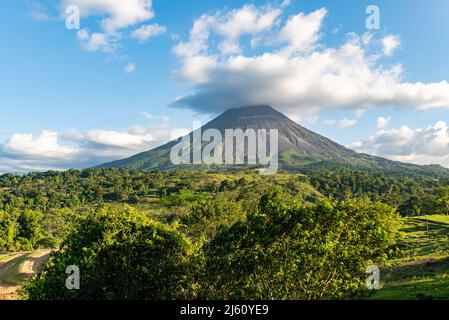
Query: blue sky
[67,102]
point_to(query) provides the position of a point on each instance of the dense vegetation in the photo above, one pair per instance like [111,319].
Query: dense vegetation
[279,251]
[210,235]
[37,210]
[291,251]
[122,255]
[411,195]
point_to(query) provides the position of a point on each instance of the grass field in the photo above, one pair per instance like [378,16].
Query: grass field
[422,269]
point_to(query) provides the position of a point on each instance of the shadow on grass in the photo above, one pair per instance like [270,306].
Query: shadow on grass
[432,289]
[419,280]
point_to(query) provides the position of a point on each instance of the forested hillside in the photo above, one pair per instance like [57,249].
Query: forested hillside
[38,209]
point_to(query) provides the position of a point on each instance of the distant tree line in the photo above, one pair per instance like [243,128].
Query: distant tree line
[412,196]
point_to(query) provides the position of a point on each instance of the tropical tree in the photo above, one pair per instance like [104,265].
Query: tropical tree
[442,200]
[121,254]
[300,252]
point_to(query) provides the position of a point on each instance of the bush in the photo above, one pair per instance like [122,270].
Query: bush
[121,254]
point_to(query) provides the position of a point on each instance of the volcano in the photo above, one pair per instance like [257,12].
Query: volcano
[299,148]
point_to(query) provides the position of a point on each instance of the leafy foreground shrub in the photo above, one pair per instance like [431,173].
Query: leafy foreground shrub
[280,251]
[297,252]
[121,254]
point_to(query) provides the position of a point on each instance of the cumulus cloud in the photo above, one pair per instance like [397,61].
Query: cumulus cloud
[47,143]
[428,145]
[282,62]
[147,31]
[95,41]
[117,18]
[383,122]
[132,139]
[301,32]
[230,26]
[118,14]
[72,149]
[28,152]
[390,44]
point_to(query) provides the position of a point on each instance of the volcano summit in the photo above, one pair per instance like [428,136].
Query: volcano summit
[299,149]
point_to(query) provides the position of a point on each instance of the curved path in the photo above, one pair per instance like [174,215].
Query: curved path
[21,267]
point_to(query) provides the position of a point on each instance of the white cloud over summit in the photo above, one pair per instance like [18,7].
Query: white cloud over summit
[257,56]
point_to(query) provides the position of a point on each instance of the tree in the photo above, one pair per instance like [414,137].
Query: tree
[7,232]
[411,207]
[299,252]
[442,200]
[29,232]
[121,254]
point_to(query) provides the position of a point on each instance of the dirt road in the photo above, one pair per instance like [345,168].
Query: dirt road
[18,268]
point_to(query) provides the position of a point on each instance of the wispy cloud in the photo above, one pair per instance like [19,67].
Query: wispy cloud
[148,31]
[343,123]
[38,12]
[130,68]
[150,116]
